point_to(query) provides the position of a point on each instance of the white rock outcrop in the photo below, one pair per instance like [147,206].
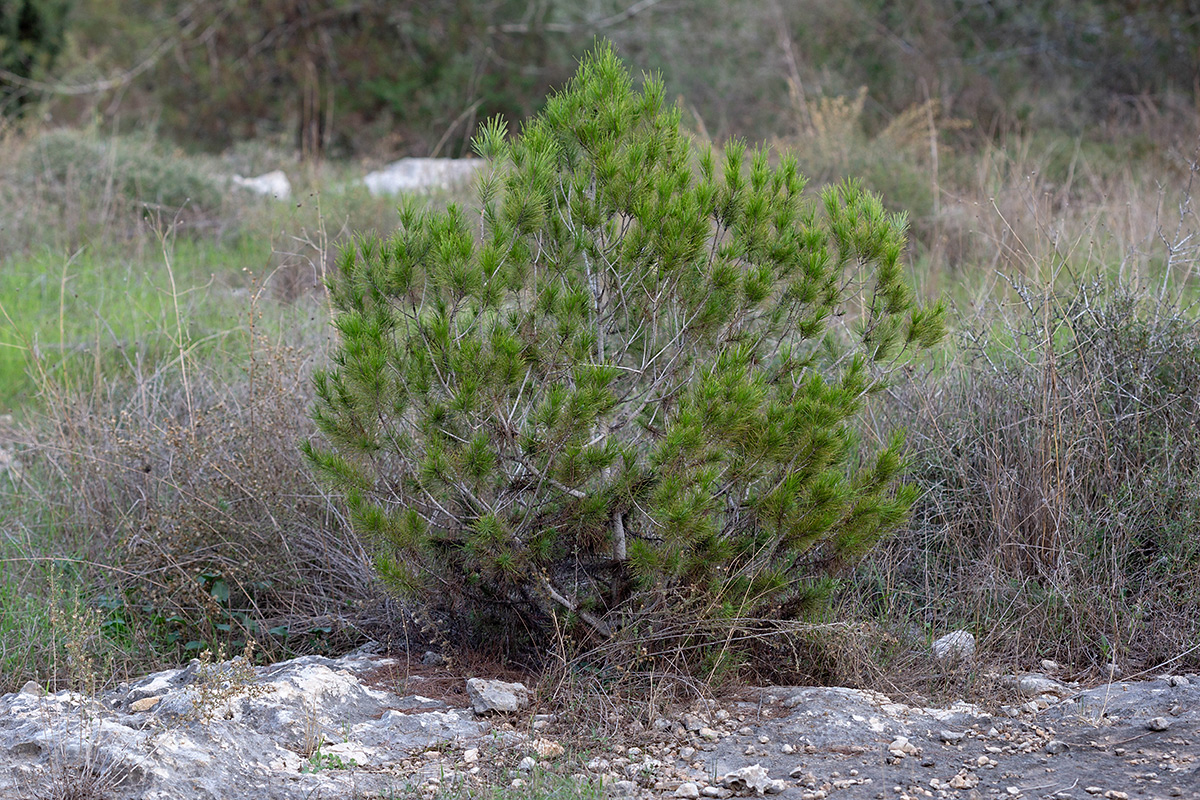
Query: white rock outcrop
[289,730]
[423,174]
[273,184]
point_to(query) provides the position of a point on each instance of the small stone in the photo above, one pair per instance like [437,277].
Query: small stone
[471,755]
[952,737]
[1177,680]
[1049,666]
[1112,671]
[1054,747]
[433,659]
[488,696]
[1175,791]
[686,753]
[517,783]
[624,788]
[1012,790]
[764,739]
[1032,707]
[709,734]
[692,723]
[145,704]
[787,749]
[33,688]
[546,748]
[527,764]
[1093,790]
[1158,724]
[1113,794]
[710,791]
[688,791]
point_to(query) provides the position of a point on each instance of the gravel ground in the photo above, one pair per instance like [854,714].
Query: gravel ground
[1116,741]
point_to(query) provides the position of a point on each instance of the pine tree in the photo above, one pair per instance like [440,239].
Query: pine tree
[616,388]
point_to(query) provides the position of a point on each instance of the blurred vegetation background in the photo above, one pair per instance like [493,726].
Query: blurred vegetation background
[158,327]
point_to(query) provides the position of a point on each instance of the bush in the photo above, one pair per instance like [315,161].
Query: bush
[622,397]
[1062,457]
[132,171]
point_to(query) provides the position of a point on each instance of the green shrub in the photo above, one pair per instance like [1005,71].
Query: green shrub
[621,398]
[128,170]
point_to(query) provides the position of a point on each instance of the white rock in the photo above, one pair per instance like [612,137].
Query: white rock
[688,791]
[272,184]
[489,696]
[957,646]
[546,748]
[422,174]
[752,780]
[527,764]
[471,755]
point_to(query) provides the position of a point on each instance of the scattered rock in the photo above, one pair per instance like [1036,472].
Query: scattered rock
[624,789]
[423,174]
[1054,747]
[1158,724]
[272,184]
[548,749]
[433,659]
[952,737]
[1176,681]
[491,696]
[752,780]
[688,791]
[470,755]
[527,764]
[958,646]
[1032,684]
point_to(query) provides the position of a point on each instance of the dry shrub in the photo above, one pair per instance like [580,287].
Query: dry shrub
[1061,461]
[184,493]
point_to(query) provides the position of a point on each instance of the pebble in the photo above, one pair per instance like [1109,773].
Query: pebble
[1177,680]
[952,737]
[710,791]
[709,734]
[1158,724]
[471,755]
[1054,747]
[688,791]
[527,764]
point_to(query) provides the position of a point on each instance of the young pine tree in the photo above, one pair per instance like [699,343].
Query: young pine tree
[615,390]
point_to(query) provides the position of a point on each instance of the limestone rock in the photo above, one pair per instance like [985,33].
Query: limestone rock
[272,184]
[423,174]
[752,780]
[958,646]
[489,696]
[222,731]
